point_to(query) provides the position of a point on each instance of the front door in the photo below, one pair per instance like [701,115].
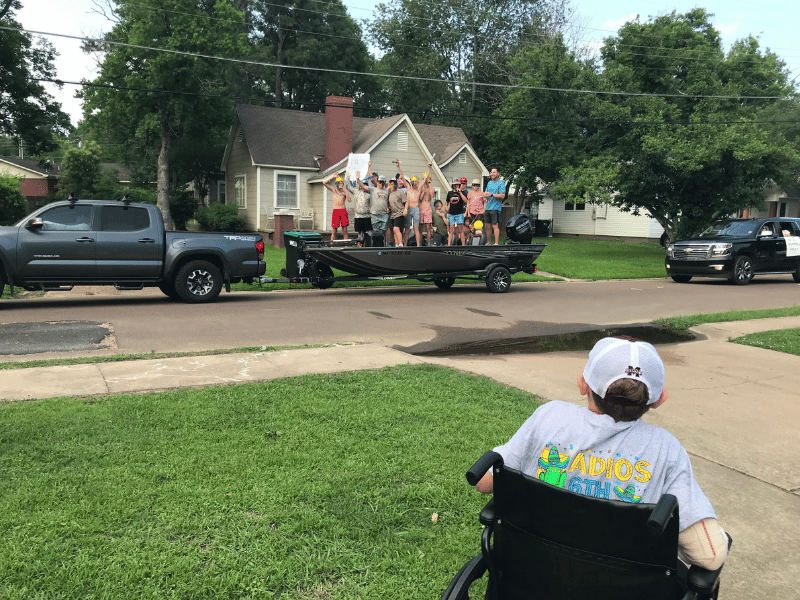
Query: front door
[62,249]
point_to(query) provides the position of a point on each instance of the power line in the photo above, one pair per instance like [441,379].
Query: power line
[427,114]
[453,82]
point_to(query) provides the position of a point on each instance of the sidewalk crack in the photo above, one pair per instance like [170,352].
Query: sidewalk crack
[745,473]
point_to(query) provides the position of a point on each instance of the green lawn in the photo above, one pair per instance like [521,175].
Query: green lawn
[318,486]
[780,340]
[687,321]
[583,258]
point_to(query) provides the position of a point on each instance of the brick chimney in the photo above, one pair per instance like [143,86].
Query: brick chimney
[338,130]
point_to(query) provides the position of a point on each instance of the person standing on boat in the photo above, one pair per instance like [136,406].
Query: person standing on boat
[363,221]
[456,202]
[495,194]
[398,211]
[339,216]
[440,224]
[414,195]
[476,205]
[378,205]
[425,210]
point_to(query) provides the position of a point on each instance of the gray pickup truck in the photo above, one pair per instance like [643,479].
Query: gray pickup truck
[121,243]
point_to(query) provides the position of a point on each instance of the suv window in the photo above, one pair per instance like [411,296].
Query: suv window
[729,228]
[788,228]
[767,230]
[77,217]
[123,218]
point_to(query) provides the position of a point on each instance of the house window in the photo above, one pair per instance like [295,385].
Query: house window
[221,191]
[240,191]
[574,206]
[402,140]
[782,209]
[286,190]
[462,158]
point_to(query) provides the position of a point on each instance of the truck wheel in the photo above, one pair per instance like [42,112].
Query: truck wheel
[444,283]
[499,280]
[742,271]
[169,290]
[198,281]
[324,275]
[681,278]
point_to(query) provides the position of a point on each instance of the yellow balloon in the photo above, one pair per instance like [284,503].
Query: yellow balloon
[478,224]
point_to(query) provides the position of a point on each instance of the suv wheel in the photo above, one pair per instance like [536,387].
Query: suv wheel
[742,271]
[796,274]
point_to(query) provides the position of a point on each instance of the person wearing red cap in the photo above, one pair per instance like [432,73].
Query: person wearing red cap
[607,450]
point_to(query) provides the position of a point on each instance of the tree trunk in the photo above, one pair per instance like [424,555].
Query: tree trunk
[163,178]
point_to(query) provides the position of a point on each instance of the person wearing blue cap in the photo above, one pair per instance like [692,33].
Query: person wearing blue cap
[608,451]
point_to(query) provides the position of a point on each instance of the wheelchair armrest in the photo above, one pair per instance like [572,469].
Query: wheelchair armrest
[483,464]
[487,514]
[703,581]
[661,514]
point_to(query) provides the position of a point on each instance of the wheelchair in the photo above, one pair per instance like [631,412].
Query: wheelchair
[541,541]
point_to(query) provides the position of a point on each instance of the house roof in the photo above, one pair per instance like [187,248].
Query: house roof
[300,136]
[33,165]
[444,142]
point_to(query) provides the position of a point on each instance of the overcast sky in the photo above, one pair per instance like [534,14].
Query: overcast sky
[775,23]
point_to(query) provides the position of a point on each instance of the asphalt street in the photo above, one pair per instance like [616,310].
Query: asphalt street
[411,318]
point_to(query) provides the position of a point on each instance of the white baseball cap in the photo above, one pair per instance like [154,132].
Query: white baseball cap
[612,359]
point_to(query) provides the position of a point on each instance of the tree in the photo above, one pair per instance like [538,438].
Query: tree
[456,41]
[308,33]
[540,131]
[683,145]
[152,101]
[27,111]
[12,203]
[81,173]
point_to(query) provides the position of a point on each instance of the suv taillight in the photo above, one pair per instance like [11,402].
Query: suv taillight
[260,250]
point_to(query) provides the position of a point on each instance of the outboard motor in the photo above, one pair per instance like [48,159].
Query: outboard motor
[519,229]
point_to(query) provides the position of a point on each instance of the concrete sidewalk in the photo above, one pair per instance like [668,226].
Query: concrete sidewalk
[735,408]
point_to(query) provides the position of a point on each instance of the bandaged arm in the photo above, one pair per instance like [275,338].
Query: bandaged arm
[703,544]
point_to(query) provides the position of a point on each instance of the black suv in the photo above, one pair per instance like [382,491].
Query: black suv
[737,249]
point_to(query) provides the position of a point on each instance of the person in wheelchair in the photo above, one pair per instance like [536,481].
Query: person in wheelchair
[608,451]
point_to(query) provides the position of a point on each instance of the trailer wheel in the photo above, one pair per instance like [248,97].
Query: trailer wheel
[499,280]
[198,281]
[444,283]
[324,276]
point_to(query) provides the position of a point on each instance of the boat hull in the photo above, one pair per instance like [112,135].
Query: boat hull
[383,261]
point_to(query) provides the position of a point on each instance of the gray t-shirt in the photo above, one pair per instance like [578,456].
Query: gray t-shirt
[379,201]
[575,449]
[361,198]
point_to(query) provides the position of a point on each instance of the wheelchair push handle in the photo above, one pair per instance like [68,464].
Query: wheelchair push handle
[483,464]
[661,514]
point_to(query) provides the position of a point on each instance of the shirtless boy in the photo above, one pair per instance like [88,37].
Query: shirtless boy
[414,195]
[339,215]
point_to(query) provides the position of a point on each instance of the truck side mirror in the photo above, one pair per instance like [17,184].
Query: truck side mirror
[34,224]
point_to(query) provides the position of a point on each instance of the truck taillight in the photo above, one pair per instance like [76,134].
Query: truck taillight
[260,250]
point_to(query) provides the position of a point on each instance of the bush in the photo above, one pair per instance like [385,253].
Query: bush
[220,217]
[182,206]
[13,205]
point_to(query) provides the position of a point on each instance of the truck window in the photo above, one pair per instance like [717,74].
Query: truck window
[123,218]
[68,218]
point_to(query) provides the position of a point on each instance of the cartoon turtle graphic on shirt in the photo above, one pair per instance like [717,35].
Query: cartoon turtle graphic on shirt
[627,495]
[553,469]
